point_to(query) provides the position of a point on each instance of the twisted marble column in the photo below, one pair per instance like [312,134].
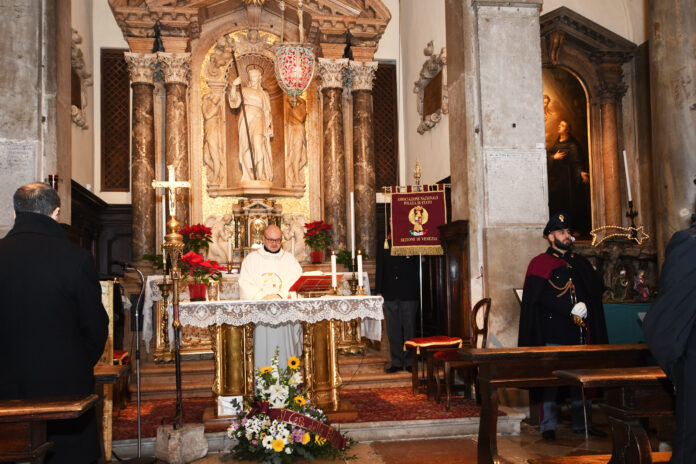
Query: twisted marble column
[362,74]
[141,68]
[177,71]
[331,73]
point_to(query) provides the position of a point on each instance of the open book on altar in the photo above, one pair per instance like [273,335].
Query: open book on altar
[314,281]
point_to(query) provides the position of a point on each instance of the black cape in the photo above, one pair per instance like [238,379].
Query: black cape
[589,289]
[671,317]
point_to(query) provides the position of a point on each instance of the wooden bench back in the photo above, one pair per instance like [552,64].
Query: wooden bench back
[483,306]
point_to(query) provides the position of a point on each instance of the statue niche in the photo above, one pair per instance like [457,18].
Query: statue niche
[227,153]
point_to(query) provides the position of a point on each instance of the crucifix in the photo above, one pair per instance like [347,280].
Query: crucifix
[173,246]
[171,184]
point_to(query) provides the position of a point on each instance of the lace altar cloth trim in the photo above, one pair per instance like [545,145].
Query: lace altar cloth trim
[274,312]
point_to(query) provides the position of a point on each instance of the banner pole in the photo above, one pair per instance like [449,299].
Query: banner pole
[420,290]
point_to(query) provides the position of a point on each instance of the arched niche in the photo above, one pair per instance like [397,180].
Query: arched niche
[594,55]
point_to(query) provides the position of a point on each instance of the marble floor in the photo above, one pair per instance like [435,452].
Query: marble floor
[514,449]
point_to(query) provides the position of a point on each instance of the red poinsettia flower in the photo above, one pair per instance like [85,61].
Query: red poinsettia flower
[317,236]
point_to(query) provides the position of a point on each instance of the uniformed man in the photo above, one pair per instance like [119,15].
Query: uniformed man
[561,305]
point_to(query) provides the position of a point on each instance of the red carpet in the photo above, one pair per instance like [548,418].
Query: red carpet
[386,404]
[397,404]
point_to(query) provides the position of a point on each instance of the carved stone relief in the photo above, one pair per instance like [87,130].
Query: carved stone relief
[432,101]
[79,113]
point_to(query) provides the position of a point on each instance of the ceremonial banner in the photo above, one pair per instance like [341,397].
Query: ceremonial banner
[415,218]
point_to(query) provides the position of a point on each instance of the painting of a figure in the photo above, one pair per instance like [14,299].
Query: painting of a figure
[568,166]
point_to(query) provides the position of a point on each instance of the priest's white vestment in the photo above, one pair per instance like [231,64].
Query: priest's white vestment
[264,273]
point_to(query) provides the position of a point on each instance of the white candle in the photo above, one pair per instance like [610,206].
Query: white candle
[292,245]
[360,273]
[352,228]
[628,180]
[229,250]
[164,215]
[333,269]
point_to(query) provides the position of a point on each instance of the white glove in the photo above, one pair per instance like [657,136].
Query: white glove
[579,310]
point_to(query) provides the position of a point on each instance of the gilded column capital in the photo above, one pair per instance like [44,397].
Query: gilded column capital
[176,67]
[332,73]
[141,67]
[362,74]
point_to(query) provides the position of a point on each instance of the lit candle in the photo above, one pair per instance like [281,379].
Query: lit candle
[333,269]
[360,273]
[164,215]
[229,250]
[352,228]
[628,180]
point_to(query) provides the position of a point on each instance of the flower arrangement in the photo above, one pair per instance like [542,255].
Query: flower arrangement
[197,237]
[200,270]
[317,237]
[282,424]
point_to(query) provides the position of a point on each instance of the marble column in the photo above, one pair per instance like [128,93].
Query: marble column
[177,70]
[331,73]
[611,92]
[673,108]
[141,68]
[362,75]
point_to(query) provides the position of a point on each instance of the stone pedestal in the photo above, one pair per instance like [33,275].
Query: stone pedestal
[141,68]
[181,446]
[332,73]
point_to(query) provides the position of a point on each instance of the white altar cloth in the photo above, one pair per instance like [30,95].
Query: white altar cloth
[274,312]
[370,328]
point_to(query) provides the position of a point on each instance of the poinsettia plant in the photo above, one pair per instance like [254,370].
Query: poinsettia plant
[197,237]
[200,270]
[282,425]
[318,235]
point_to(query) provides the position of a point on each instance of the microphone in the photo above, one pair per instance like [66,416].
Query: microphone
[123,264]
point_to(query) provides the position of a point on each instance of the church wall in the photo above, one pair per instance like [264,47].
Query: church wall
[106,34]
[628,18]
[425,21]
[83,155]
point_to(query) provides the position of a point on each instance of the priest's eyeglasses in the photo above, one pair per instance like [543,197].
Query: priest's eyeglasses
[273,240]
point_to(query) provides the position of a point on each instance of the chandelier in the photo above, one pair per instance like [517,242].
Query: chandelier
[294,61]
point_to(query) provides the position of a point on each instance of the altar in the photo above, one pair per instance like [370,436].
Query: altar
[231,325]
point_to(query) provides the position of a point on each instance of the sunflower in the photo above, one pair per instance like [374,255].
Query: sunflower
[306,438]
[278,445]
[300,400]
[320,440]
[266,370]
[293,362]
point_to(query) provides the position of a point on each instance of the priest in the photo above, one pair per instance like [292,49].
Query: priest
[266,274]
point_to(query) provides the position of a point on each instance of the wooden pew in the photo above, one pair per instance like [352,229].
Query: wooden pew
[631,394]
[533,367]
[105,378]
[23,424]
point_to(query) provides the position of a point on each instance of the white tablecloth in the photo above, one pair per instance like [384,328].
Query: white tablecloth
[370,327]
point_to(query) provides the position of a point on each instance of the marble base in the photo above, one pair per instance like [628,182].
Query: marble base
[181,446]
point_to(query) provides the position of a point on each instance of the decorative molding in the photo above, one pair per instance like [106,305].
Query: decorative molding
[176,67]
[77,60]
[332,73]
[141,67]
[432,66]
[362,74]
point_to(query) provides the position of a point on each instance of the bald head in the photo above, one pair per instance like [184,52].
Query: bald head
[272,237]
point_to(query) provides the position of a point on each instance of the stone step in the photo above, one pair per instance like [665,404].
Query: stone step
[370,363]
[377,380]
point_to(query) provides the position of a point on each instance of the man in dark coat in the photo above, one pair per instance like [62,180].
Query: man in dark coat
[397,281]
[53,326]
[561,305]
[670,330]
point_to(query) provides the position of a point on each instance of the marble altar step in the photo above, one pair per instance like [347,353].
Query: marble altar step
[158,381]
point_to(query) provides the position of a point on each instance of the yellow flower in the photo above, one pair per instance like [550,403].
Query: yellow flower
[320,441]
[278,445]
[293,362]
[300,400]
[266,370]
[306,438]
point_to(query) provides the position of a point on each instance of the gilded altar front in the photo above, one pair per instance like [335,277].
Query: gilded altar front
[232,323]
